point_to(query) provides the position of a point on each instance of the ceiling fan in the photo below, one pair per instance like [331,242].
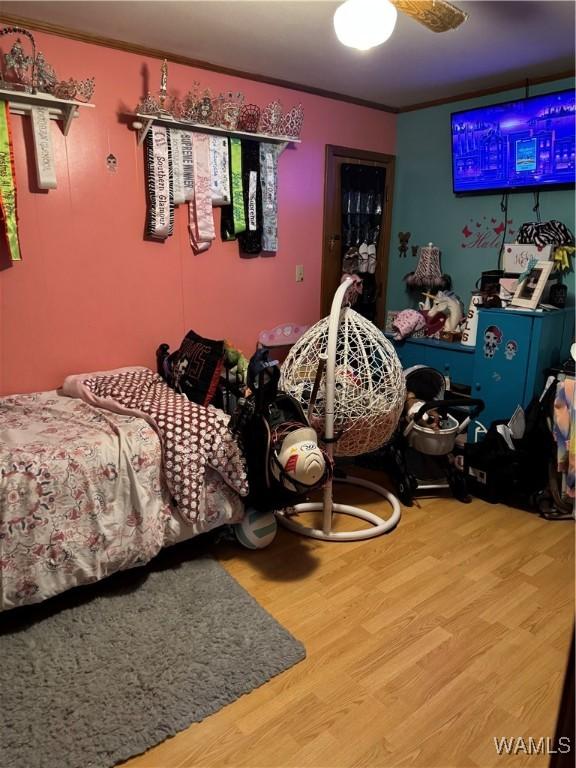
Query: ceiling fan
[437,15]
[364,24]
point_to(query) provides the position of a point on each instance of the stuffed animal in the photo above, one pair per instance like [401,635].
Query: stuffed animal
[235,362]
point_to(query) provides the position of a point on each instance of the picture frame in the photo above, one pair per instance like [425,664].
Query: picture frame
[529,291]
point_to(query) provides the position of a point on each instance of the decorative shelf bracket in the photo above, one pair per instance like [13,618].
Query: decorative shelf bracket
[64,110]
[143,123]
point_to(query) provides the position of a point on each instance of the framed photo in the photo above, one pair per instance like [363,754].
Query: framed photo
[529,291]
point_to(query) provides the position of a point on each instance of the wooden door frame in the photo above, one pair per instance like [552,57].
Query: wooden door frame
[326,286]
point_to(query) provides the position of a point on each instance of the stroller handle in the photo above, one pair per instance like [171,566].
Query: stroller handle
[474,405]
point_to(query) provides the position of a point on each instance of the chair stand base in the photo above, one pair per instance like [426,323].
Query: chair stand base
[378,524]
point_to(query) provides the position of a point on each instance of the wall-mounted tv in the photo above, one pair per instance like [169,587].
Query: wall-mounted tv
[522,145]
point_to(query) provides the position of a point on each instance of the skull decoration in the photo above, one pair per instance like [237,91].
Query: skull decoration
[492,339]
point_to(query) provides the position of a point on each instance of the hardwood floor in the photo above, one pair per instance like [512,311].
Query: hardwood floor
[423,645]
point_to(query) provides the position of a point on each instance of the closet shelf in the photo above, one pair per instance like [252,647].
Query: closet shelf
[143,123]
[21,103]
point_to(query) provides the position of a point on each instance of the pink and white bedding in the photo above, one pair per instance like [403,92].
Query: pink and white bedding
[83,494]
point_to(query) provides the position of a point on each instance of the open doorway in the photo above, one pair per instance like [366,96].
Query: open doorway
[357,217]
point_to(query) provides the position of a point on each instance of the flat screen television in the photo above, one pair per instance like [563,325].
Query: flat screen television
[522,145]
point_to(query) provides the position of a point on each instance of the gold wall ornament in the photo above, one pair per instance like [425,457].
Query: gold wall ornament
[436,15]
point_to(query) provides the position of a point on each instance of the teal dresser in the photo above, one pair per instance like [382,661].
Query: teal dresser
[507,367]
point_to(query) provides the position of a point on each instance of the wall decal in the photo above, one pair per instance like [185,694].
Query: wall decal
[486,233]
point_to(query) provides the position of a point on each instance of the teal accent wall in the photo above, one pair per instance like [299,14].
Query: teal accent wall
[425,205]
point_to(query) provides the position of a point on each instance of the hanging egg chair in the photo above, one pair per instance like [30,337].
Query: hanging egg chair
[347,376]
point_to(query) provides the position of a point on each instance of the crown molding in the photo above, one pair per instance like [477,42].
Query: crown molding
[155,53]
[487,91]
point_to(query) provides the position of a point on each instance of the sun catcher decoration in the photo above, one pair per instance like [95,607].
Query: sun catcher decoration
[29,72]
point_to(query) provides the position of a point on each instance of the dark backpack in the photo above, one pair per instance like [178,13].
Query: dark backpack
[260,421]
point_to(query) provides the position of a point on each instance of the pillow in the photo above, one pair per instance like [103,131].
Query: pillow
[194,368]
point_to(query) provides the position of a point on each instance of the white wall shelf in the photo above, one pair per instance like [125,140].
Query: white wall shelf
[64,110]
[143,123]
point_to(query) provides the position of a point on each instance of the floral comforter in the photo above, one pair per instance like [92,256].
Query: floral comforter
[82,495]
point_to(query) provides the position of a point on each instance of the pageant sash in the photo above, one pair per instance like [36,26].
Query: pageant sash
[251,239]
[232,220]
[201,220]
[41,132]
[237,186]
[187,151]
[179,193]
[219,170]
[160,217]
[8,185]
[269,154]
[182,165]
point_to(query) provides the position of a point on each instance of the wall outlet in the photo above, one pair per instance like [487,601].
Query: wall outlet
[299,273]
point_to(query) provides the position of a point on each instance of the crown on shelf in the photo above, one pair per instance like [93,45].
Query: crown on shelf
[249,118]
[271,119]
[227,109]
[31,73]
[292,122]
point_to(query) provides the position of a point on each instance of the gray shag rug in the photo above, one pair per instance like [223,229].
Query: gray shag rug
[98,679]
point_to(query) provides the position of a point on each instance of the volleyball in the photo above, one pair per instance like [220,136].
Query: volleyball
[257,529]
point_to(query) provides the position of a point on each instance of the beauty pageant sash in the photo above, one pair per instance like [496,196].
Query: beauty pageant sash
[8,185]
[251,239]
[182,165]
[269,154]
[201,220]
[41,132]
[233,220]
[219,170]
[160,215]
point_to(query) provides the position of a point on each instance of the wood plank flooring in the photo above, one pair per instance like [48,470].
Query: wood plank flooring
[423,645]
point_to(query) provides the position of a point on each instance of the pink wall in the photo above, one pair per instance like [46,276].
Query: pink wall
[91,293]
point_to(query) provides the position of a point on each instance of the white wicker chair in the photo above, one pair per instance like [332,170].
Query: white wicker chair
[358,398]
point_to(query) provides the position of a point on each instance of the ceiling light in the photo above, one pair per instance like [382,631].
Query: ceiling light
[363,24]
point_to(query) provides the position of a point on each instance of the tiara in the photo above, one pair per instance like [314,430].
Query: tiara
[292,122]
[249,118]
[227,110]
[271,119]
[31,73]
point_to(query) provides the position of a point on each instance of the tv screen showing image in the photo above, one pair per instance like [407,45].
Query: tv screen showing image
[518,145]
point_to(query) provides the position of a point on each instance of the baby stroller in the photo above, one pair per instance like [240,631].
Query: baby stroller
[424,455]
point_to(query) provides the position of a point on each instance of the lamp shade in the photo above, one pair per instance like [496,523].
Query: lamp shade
[364,24]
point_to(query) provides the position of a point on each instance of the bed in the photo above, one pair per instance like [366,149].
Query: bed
[101,475]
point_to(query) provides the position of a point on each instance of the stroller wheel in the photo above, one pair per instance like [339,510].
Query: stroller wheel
[458,485]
